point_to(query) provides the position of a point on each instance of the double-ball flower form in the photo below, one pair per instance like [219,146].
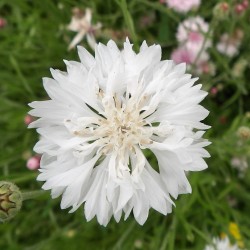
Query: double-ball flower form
[103,113]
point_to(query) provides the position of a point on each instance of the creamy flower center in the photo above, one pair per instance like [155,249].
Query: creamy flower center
[120,127]
[123,125]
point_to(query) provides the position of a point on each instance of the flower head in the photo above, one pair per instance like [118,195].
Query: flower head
[28,119]
[229,45]
[183,6]
[191,32]
[222,244]
[189,56]
[102,114]
[81,23]
[10,200]
[3,22]
[33,162]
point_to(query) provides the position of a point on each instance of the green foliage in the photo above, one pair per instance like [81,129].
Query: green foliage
[36,39]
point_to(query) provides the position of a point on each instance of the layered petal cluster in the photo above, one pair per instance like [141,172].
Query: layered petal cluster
[103,113]
[222,244]
[191,35]
[183,6]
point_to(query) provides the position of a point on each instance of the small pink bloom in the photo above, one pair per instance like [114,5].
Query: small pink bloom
[182,54]
[245,3]
[3,22]
[183,6]
[195,37]
[239,8]
[214,90]
[224,6]
[191,33]
[28,119]
[34,162]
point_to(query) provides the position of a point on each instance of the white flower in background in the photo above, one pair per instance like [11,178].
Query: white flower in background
[240,163]
[229,45]
[81,23]
[183,6]
[102,114]
[222,244]
[191,32]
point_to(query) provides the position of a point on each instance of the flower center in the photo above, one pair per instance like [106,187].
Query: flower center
[121,127]
[194,36]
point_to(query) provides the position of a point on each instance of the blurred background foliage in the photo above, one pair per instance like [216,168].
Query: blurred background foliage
[34,39]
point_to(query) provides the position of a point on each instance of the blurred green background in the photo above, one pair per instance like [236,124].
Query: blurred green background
[34,39]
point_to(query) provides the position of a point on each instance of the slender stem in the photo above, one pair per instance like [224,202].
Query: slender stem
[159,7]
[32,194]
[24,178]
[207,35]
[129,21]
[124,236]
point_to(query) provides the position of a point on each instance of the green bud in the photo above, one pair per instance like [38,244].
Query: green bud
[239,67]
[10,200]
[221,11]
[244,133]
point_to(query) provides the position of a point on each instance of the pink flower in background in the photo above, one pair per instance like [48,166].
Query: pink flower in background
[193,44]
[33,163]
[28,119]
[183,6]
[181,54]
[3,22]
[189,55]
[214,91]
[229,45]
[192,32]
[207,68]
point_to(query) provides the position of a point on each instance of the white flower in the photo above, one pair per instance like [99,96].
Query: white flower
[102,114]
[82,25]
[229,45]
[222,244]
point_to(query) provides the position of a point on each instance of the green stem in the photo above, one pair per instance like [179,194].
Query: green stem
[129,21]
[124,236]
[207,35]
[32,194]
[24,178]
[161,8]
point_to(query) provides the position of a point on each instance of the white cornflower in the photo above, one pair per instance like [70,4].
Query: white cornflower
[102,114]
[81,23]
[222,244]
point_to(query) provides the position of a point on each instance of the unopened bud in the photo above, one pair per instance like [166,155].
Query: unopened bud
[239,9]
[245,3]
[28,119]
[33,162]
[244,133]
[10,200]
[239,67]
[3,22]
[248,114]
[221,11]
